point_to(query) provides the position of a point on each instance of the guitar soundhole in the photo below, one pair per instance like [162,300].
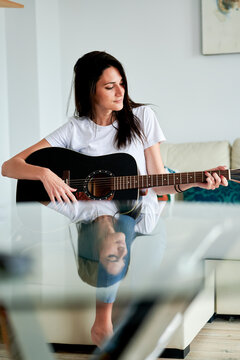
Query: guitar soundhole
[99,185]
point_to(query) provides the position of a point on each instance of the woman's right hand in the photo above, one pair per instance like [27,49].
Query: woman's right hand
[56,188]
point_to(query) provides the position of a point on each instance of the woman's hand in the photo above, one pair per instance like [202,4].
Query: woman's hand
[213,181]
[56,188]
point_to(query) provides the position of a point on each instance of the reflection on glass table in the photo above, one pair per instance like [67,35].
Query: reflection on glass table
[86,253]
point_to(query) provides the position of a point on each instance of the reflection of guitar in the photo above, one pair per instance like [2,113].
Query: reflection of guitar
[108,177]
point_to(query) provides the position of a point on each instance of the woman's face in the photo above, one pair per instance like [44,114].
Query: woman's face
[110,91]
[113,251]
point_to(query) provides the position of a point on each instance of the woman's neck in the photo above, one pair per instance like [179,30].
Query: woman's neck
[103,118]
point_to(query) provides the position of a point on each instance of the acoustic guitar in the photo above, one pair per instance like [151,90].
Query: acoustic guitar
[109,177]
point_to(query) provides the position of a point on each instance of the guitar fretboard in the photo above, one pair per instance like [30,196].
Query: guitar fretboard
[148,181]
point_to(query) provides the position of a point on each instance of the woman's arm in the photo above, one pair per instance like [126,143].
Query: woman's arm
[17,168]
[155,165]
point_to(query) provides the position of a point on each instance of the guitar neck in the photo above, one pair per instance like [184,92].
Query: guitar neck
[148,181]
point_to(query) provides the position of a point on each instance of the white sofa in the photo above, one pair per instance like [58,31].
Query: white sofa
[73,327]
[213,299]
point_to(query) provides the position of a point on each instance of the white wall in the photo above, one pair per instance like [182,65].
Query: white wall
[159,43]
[4,130]
[48,65]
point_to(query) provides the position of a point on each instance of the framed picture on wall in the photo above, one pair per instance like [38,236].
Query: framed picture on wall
[220,26]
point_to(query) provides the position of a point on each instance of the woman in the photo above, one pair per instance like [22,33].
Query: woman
[101,99]
[106,121]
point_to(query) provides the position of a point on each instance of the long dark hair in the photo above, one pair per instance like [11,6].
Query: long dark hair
[88,70]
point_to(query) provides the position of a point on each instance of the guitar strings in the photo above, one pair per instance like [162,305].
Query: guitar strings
[131,179]
[184,176]
[199,173]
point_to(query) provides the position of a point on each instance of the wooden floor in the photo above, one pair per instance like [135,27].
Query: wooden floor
[216,341]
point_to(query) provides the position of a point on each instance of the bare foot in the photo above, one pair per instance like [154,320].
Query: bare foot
[100,334]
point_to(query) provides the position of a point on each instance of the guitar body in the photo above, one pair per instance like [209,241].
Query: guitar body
[78,170]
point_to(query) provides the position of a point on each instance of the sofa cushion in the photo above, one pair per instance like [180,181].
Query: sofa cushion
[229,194]
[235,164]
[196,156]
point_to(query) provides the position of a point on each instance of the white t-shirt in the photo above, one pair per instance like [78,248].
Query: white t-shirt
[86,137]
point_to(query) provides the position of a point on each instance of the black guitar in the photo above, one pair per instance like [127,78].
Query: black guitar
[106,177]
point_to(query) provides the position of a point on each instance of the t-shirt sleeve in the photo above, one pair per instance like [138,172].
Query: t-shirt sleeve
[62,136]
[152,130]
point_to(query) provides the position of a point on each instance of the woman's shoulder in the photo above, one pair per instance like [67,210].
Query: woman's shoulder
[143,110]
[145,114]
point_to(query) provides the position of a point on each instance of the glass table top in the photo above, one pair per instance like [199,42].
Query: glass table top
[68,258]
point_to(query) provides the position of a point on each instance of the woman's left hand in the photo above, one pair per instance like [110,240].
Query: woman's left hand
[213,181]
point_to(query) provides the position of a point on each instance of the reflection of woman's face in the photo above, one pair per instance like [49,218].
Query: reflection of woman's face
[113,251]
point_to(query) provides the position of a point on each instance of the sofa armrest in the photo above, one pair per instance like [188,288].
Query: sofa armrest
[235,158]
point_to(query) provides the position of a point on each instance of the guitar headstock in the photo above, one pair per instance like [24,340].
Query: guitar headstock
[235,175]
